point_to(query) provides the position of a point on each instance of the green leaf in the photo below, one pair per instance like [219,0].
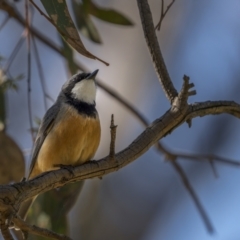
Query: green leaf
[61,19]
[85,24]
[68,54]
[107,14]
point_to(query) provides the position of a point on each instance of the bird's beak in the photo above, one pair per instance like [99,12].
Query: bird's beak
[93,75]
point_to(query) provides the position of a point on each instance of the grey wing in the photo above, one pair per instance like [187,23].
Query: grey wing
[45,128]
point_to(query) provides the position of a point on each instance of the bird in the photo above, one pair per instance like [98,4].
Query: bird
[70,131]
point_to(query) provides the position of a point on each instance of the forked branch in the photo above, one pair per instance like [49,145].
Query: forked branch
[163,13]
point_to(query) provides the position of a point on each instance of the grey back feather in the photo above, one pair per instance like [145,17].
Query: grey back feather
[45,128]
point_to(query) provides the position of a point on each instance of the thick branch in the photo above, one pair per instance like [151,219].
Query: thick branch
[13,195]
[213,107]
[154,49]
[201,109]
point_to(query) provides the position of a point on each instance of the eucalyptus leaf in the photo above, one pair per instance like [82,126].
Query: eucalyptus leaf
[61,19]
[107,14]
[85,24]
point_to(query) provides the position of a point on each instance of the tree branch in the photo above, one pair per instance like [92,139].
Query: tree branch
[213,107]
[190,111]
[113,130]
[13,195]
[163,13]
[37,230]
[190,189]
[154,49]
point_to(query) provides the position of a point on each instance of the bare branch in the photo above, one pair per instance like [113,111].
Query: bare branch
[42,13]
[12,12]
[4,22]
[190,189]
[37,230]
[154,49]
[29,68]
[12,195]
[113,128]
[41,75]
[163,13]
[213,167]
[180,102]
[159,128]
[15,51]
[207,157]
[202,109]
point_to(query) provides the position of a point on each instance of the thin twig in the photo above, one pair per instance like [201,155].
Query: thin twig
[4,22]
[113,128]
[40,71]
[15,51]
[13,12]
[194,196]
[180,102]
[37,230]
[213,167]
[163,14]
[50,98]
[42,13]
[29,68]
[207,157]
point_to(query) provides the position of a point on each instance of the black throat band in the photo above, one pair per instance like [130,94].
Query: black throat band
[82,107]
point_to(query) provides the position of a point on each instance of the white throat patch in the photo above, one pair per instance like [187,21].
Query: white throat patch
[85,91]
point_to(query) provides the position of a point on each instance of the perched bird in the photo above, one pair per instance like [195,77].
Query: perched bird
[70,130]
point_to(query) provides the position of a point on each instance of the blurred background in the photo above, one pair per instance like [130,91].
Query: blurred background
[145,200]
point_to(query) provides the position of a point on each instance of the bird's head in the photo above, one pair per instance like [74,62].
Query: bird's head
[82,87]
